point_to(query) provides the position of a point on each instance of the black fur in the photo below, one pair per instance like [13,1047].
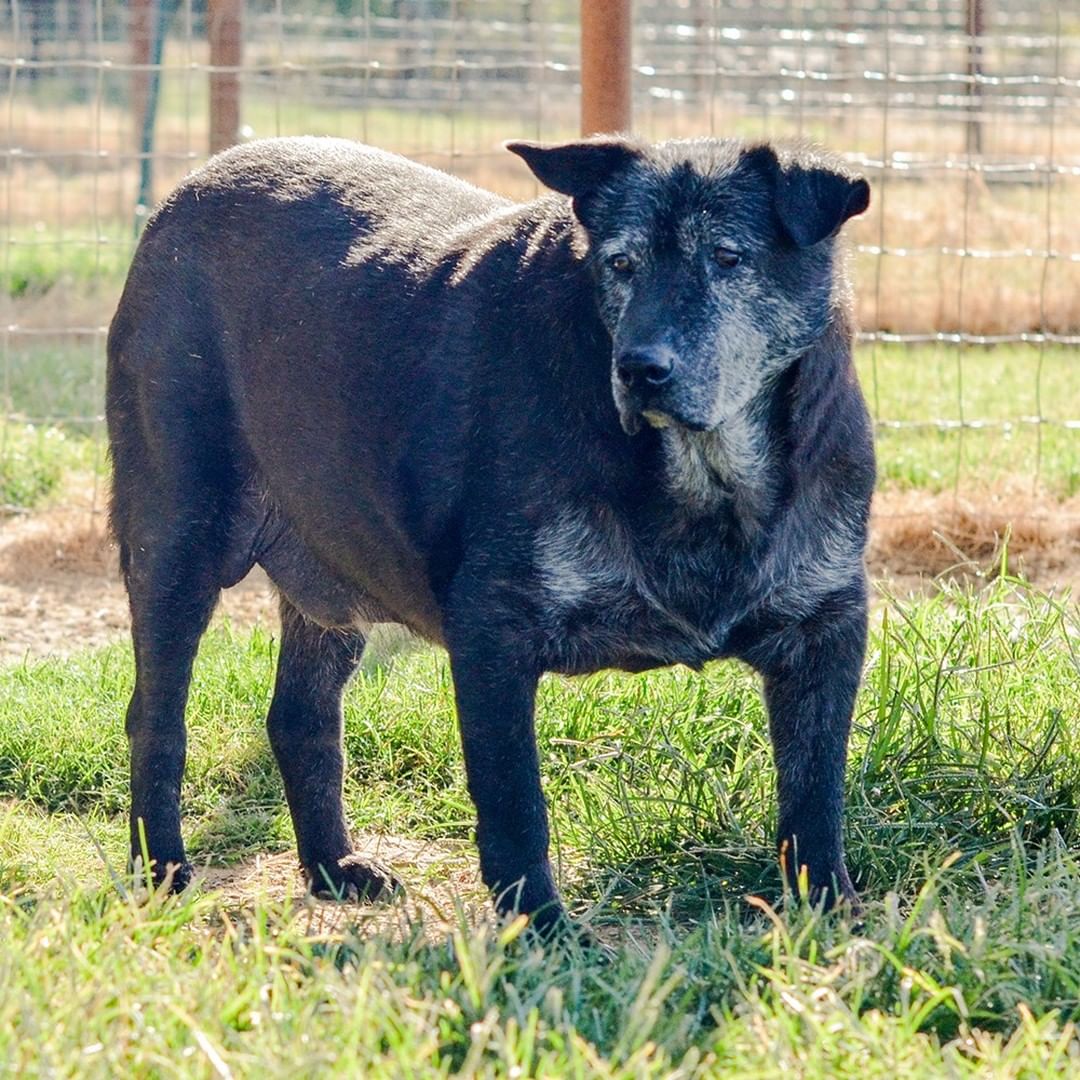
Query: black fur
[403,397]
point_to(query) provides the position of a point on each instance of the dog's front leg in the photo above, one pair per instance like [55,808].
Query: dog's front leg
[811,671]
[495,687]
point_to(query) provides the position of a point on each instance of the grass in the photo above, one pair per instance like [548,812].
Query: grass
[101,987]
[59,380]
[1003,387]
[33,462]
[86,259]
[963,790]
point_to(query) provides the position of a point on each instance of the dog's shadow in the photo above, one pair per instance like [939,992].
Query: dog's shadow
[685,886]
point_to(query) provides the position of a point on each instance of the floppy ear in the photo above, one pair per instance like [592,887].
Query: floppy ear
[814,202]
[576,168]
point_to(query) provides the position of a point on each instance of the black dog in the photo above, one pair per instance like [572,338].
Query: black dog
[618,431]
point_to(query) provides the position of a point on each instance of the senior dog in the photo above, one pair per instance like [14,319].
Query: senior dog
[617,426]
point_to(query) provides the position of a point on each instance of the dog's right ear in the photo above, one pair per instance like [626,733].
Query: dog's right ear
[577,168]
[815,194]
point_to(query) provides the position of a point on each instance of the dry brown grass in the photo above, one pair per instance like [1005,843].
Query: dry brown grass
[918,534]
[919,289]
[60,539]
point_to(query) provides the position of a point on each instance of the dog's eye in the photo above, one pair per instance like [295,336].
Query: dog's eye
[621,264]
[726,258]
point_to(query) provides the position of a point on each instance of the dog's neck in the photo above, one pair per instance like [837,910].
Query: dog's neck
[733,466]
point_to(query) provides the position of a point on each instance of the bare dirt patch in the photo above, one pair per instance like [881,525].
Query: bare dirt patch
[441,886]
[441,892]
[60,589]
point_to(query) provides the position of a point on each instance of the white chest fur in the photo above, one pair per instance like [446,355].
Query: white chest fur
[623,595]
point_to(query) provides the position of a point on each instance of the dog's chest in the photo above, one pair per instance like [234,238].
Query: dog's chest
[611,599]
[608,601]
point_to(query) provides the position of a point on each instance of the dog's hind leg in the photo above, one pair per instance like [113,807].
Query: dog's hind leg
[305,728]
[173,495]
[172,585]
[169,616]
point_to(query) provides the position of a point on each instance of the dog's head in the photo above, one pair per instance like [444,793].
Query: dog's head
[713,261]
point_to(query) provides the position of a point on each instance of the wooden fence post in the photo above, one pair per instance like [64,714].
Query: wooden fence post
[606,65]
[140,33]
[976,27]
[223,27]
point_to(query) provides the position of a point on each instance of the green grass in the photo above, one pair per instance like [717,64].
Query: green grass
[963,789]
[59,381]
[1002,385]
[86,258]
[33,462]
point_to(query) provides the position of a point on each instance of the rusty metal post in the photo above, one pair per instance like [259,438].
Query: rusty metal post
[223,28]
[606,65]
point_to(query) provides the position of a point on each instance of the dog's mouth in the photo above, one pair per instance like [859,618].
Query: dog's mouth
[631,419]
[656,408]
[657,419]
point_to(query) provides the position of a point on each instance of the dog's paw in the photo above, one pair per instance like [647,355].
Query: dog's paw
[170,877]
[352,879]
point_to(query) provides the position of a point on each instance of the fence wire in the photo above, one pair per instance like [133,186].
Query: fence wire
[965,115]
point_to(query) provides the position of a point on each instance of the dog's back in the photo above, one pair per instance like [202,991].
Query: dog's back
[283,294]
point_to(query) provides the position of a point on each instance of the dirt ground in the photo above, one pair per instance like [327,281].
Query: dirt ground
[60,590]
[441,891]
[440,885]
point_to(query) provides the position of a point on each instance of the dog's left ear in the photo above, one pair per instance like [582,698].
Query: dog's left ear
[814,202]
[577,168]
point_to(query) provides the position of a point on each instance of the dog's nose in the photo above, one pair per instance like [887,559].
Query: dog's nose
[651,365]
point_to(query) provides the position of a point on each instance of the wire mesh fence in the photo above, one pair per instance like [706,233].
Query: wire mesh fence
[965,114]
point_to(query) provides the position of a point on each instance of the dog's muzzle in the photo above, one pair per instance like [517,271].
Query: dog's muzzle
[639,377]
[646,385]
